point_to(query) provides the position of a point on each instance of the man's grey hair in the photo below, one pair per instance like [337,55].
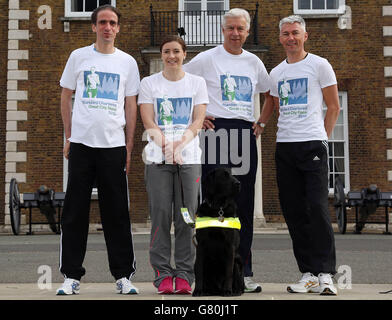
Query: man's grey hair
[293,19]
[235,13]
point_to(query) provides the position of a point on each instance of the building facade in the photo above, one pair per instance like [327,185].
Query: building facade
[355,36]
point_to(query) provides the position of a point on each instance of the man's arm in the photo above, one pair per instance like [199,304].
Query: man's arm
[331,99]
[265,115]
[66,115]
[130,120]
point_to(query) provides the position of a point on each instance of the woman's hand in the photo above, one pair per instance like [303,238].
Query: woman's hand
[172,151]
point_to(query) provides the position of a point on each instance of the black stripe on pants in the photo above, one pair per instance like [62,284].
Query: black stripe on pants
[106,165]
[302,176]
[248,153]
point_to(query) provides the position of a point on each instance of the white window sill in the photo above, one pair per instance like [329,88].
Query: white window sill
[81,18]
[320,15]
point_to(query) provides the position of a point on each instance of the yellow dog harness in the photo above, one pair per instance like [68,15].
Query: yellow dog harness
[207,222]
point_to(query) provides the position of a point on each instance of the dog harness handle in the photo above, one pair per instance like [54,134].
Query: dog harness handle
[207,222]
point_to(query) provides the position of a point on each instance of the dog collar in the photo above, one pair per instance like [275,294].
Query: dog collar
[207,222]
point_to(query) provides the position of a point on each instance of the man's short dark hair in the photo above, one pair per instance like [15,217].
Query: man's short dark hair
[104,7]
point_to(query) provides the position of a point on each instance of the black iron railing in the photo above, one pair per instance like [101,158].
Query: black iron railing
[197,28]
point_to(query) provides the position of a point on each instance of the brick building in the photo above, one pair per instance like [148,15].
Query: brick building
[355,36]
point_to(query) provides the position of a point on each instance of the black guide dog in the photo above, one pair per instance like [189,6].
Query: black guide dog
[218,265]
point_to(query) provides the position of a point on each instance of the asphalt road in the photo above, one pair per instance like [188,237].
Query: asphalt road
[367,256]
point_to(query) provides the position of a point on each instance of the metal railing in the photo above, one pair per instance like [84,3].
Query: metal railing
[197,28]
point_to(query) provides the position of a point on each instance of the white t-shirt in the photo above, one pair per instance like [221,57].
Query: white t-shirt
[299,88]
[232,81]
[173,107]
[102,81]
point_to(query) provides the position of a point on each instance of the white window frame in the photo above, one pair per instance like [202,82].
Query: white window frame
[85,14]
[344,112]
[320,12]
[181,5]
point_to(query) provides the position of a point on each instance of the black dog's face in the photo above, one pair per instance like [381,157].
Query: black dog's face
[221,184]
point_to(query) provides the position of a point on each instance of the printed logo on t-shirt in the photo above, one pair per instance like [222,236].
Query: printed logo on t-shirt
[101,85]
[294,91]
[173,111]
[293,97]
[236,88]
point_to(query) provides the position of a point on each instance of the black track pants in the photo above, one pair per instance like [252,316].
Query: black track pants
[302,176]
[106,165]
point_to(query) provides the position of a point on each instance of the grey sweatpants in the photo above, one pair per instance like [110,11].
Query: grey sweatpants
[165,202]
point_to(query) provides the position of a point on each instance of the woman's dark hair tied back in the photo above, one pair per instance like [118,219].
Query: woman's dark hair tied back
[171,38]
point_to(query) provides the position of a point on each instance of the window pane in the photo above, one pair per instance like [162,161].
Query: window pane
[339,165]
[338,133]
[215,6]
[303,4]
[102,2]
[90,5]
[341,179]
[332,4]
[192,6]
[338,149]
[340,118]
[331,181]
[76,5]
[318,4]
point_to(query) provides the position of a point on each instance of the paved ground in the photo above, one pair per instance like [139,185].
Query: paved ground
[27,261]
[369,257]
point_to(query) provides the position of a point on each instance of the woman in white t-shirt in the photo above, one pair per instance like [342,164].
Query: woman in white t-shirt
[172,106]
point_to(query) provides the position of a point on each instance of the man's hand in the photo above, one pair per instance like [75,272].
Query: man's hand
[257,130]
[207,124]
[66,149]
[128,161]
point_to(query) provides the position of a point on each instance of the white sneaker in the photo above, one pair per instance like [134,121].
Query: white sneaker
[70,286]
[308,283]
[125,286]
[251,286]
[327,287]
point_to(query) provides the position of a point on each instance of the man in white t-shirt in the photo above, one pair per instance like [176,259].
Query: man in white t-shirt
[233,76]
[299,86]
[105,81]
